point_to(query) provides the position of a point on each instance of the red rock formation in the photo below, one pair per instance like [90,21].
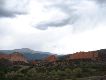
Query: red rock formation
[14,57]
[51,58]
[17,57]
[34,62]
[85,55]
[4,56]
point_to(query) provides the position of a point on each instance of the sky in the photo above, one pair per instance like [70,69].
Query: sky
[56,26]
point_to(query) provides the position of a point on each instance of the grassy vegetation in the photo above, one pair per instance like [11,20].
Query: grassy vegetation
[52,72]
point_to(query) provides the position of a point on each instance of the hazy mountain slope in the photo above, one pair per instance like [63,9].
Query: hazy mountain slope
[28,53]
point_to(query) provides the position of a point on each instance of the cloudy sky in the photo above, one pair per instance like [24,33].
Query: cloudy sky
[57,26]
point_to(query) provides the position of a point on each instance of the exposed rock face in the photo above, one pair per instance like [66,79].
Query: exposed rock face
[102,54]
[51,58]
[33,62]
[91,55]
[84,55]
[14,57]
[4,56]
[17,57]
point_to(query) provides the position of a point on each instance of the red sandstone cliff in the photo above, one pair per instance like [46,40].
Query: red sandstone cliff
[14,57]
[4,56]
[51,58]
[17,57]
[93,55]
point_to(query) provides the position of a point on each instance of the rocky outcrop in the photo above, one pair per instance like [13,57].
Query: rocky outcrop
[102,54]
[17,57]
[4,56]
[85,55]
[14,57]
[34,62]
[51,58]
[90,55]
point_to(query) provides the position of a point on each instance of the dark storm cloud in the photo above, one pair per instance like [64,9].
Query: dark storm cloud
[78,12]
[101,1]
[45,25]
[63,7]
[6,11]
[3,11]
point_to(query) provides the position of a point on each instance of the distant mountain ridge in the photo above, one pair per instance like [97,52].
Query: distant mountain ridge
[38,55]
[28,53]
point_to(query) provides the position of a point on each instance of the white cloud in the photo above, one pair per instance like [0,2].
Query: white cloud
[71,12]
[67,26]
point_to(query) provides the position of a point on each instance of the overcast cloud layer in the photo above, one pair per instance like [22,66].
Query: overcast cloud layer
[12,8]
[57,26]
